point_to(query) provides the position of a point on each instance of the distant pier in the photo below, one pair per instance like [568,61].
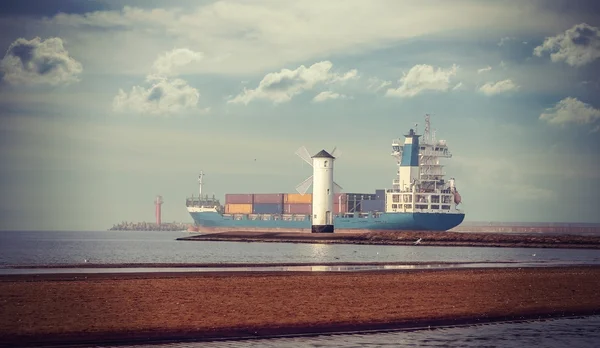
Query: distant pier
[150,226]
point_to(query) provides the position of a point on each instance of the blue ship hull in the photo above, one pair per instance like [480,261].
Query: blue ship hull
[215,222]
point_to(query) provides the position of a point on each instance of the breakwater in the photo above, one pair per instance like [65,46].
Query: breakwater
[149,226]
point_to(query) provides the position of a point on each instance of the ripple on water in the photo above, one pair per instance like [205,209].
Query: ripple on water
[573,332]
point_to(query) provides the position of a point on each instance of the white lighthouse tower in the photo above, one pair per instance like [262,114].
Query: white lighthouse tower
[322,199]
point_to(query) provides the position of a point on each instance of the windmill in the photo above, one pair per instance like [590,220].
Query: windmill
[303,153]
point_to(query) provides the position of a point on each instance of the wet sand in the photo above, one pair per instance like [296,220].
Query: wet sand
[70,308]
[409,238]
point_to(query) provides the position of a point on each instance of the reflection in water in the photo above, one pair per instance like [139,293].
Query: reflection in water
[572,332]
[320,252]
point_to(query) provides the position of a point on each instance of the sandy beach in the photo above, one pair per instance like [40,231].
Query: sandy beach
[70,308]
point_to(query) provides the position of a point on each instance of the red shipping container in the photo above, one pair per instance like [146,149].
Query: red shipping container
[268,198]
[336,208]
[337,200]
[234,198]
[297,208]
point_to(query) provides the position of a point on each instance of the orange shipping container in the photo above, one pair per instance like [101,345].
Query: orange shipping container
[238,208]
[297,198]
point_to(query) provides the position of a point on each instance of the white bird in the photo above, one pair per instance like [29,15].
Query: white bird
[418,241]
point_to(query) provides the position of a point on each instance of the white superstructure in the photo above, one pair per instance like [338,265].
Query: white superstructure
[420,185]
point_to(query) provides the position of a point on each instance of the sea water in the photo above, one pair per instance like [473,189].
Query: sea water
[114,247]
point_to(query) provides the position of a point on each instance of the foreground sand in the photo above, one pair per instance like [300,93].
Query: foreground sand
[128,307]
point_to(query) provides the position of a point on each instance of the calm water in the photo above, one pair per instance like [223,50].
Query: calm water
[110,247]
[559,333]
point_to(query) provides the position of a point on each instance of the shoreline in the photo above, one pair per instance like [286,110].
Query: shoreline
[407,238]
[175,307]
[253,264]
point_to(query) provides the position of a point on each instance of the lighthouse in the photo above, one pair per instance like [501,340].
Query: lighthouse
[322,198]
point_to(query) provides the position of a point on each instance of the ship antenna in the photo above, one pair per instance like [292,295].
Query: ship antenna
[427,135]
[200,183]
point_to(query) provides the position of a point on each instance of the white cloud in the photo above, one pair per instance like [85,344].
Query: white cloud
[482,70]
[169,62]
[242,37]
[375,84]
[421,78]
[165,96]
[458,86]
[39,61]
[282,86]
[504,40]
[571,110]
[577,46]
[493,88]
[329,95]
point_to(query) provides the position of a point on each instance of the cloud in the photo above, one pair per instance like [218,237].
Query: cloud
[375,84]
[493,88]
[39,61]
[571,110]
[577,46]
[421,78]
[282,86]
[482,70]
[166,95]
[504,40]
[458,86]
[328,95]
[263,35]
[169,62]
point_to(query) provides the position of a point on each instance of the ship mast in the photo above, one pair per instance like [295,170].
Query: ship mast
[427,133]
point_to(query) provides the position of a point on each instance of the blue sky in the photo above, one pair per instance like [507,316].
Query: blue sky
[106,104]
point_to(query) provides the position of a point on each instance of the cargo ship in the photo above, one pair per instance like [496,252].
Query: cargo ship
[420,199]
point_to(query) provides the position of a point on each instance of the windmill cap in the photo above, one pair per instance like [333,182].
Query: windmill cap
[322,154]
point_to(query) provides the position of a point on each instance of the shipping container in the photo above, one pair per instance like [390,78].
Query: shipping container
[297,208]
[340,198]
[240,208]
[339,208]
[268,198]
[380,194]
[360,196]
[234,198]
[372,205]
[292,198]
[267,208]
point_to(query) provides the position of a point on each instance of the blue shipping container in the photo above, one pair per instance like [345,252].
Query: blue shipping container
[267,208]
[380,195]
[372,205]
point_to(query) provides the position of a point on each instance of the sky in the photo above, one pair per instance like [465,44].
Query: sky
[106,104]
